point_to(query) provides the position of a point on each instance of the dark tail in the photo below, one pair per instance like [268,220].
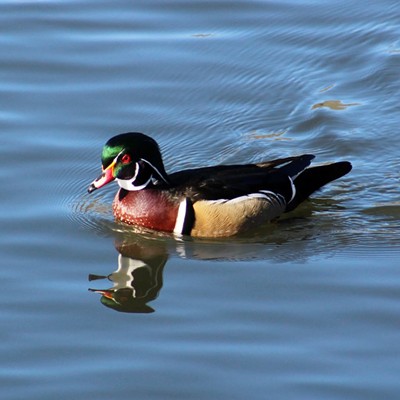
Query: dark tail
[297,165]
[312,179]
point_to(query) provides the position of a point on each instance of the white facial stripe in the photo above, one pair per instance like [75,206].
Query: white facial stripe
[136,171]
[115,159]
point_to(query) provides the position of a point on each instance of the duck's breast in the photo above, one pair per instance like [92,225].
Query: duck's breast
[153,209]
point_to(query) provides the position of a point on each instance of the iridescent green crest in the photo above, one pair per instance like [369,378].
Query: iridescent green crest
[109,153]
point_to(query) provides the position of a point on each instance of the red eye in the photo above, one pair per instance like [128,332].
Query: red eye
[126,159]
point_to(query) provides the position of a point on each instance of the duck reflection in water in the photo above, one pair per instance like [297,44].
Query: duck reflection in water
[138,279]
[142,257]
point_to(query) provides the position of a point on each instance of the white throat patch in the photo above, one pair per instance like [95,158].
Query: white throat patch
[130,185]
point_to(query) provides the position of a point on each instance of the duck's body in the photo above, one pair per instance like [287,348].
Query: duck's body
[205,202]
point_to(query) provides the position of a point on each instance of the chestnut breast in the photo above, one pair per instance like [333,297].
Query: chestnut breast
[153,209]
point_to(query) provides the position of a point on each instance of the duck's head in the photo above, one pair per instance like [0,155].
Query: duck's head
[134,160]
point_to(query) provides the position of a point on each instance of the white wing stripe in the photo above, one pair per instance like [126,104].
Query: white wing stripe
[262,194]
[293,189]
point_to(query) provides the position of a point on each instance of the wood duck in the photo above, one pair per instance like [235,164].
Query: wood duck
[212,201]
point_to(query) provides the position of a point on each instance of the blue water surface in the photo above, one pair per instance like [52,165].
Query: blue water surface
[307,308]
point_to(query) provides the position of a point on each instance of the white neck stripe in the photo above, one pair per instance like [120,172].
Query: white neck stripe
[155,169]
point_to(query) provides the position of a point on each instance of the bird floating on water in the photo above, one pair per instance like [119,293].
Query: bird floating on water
[212,201]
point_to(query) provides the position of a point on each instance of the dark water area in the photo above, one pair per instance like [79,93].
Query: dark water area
[305,308]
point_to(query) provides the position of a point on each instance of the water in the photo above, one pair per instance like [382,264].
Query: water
[307,308]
